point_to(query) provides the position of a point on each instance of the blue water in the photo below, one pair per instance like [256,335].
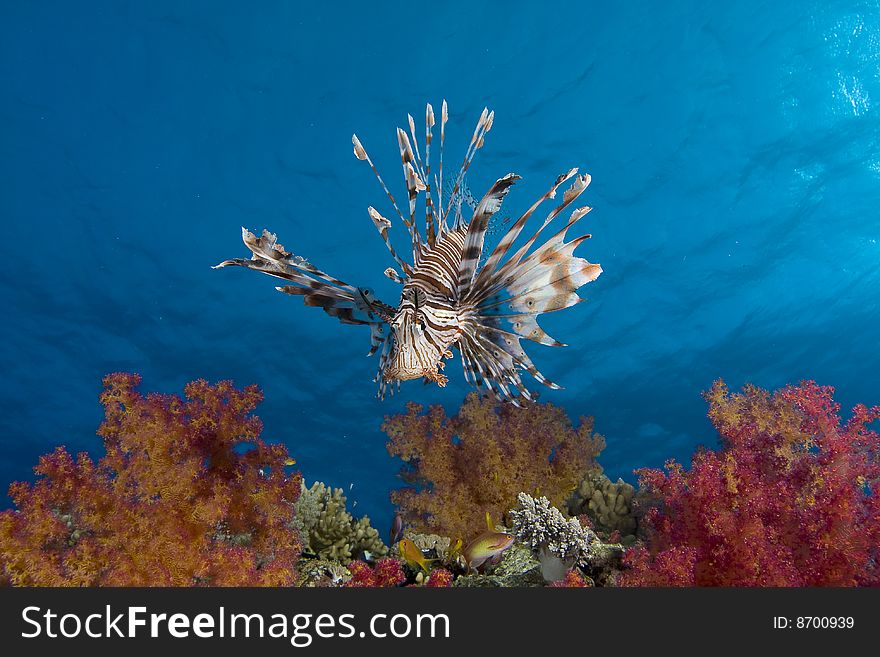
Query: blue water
[735,163]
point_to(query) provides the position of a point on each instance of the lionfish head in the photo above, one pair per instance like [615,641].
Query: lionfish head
[413,355]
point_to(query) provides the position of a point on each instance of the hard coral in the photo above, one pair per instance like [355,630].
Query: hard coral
[518,568]
[558,542]
[461,468]
[791,499]
[329,531]
[607,504]
[173,502]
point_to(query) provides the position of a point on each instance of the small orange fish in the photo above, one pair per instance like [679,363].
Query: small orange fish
[488,546]
[413,556]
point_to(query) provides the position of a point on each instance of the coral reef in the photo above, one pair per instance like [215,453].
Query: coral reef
[791,499]
[321,573]
[439,578]
[435,546]
[462,467]
[386,572]
[558,542]
[573,580]
[186,494]
[439,549]
[518,568]
[607,504]
[329,531]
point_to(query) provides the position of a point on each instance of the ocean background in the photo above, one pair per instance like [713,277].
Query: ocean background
[733,149]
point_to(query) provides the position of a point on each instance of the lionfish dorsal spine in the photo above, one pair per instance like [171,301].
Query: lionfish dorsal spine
[484,124]
[430,231]
[383,224]
[414,185]
[441,217]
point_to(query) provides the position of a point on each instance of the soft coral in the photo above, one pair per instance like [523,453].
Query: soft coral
[186,494]
[792,498]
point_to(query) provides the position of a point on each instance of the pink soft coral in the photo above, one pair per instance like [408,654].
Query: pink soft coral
[792,499]
[174,502]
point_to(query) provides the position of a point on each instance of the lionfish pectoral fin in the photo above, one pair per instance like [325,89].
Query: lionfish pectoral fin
[347,303]
[508,296]
[476,233]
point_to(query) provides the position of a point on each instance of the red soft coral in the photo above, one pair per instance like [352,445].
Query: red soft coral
[387,572]
[362,576]
[439,578]
[572,580]
[174,502]
[792,499]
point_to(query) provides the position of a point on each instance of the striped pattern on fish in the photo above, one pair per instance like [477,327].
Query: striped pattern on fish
[449,302]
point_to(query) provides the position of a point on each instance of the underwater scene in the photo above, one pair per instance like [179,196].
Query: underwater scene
[571,296]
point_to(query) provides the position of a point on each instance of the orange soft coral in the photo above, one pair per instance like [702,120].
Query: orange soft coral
[462,468]
[186,494]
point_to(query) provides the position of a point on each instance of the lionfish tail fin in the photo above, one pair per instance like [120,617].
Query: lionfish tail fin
[510,293]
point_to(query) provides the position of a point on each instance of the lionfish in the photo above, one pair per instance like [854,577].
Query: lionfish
[449,300]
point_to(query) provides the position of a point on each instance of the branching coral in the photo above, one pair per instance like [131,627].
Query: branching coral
[476,462]
[609,505]
[329,530]
[186,494]
[791,499]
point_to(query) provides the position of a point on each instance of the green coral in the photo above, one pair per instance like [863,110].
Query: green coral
[609,505]
[329,531]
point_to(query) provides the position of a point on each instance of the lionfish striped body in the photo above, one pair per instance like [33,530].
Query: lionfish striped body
[449,302]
